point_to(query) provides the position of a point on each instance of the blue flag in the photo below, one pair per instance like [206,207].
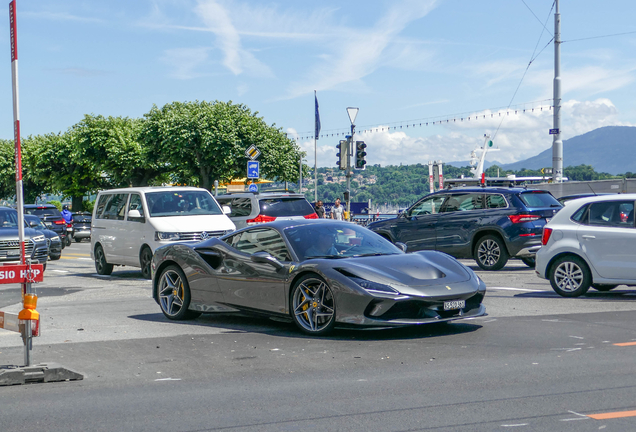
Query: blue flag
[317,117]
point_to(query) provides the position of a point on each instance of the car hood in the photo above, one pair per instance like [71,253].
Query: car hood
[12,233]
[429,273]
[193,223]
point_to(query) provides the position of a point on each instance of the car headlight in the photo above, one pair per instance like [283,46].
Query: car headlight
[55,238]
[374,287]
[38,238]
[167,236]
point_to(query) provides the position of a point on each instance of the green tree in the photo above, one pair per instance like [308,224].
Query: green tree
[205,141]
[113,145]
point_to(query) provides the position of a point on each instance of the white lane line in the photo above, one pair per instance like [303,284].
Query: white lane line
[578,414]
[573,419]
[577,337]
[515,425]
[515,289]
[168,379]
[61,271]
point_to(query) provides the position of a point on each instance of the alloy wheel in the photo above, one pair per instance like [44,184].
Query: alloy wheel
[171,293]
[313,306]
[489,252]
[568,276]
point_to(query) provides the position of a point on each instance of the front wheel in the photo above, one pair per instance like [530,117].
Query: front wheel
[491,253]
[77,240]
[101,265]
[313,306]
[174,294]
[570,276]
[145,260]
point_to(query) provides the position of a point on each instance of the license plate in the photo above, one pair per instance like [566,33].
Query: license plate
[455,304]
[13,253]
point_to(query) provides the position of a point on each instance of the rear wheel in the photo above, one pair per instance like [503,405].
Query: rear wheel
[529,261]
[603,287]
[101,265]
[68,240]
[174,294]
[313,306]
[145,259]
[491,253]
[77,240]
[570,276]
[55,257]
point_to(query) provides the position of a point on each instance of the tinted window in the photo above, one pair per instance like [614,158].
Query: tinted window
[101,205]
[614,214]
[115,207]
[257,240]
[135,204]
[496,201]
[46,211]
[539,199]
[463,202]
[579,215]
[181,202]
[8,218]
[427,206]
[239,206]
[276,207]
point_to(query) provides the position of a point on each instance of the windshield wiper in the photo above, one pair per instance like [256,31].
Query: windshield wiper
[326,256]
[372,254]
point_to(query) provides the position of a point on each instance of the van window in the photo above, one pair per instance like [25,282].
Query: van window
[180,203]
[135,204]
[101,205]
[115,207]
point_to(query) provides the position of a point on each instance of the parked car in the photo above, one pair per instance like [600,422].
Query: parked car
[51,217]
[53,240]
[36,246]
[129,224]
[81,226]
[317,274]
[253,208]
[590,243]
[488,224]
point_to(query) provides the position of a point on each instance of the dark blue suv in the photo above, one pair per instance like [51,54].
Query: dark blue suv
[487,224]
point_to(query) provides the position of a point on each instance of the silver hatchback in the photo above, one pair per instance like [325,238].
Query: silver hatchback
[591,242]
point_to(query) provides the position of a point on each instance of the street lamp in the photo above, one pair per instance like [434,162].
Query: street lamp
[353,113]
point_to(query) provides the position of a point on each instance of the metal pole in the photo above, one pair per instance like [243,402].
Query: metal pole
[26,287]
[441,175]
[315,171]
[431,185]
[300,178]
[349,151]
[557,144]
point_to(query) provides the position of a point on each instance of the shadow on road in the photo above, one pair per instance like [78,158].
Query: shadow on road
[242,323]
[592,294]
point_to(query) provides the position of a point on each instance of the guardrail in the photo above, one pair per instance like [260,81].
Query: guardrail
[364,220]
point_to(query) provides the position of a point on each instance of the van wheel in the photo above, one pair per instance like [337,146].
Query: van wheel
[101,265]
[145,259]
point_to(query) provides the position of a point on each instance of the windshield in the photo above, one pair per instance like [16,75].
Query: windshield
[43,211]
[181,203]
[276,207]
[539,199]
[337,240]
[8,218]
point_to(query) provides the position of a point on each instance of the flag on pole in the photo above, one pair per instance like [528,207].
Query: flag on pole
[317,117]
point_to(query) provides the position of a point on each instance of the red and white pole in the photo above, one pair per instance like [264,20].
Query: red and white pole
[431,180]
[441,176]
[26,287]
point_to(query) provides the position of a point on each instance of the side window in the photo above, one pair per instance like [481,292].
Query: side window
[116,207]
[580,215]
[463,202]
[427,206]
[263,239]
[496,201]
[239,206]
[136,204]
[612,214]
[101,205]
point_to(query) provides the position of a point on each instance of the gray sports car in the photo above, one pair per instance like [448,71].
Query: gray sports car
[316,273]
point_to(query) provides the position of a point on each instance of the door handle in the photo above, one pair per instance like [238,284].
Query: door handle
[588,237]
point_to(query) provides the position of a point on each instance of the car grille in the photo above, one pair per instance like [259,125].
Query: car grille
[199,236]
[14,245]
[418,309]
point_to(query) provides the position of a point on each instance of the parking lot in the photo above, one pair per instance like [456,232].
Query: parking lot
[537,360]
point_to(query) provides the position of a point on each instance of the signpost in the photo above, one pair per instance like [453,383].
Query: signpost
[253,169]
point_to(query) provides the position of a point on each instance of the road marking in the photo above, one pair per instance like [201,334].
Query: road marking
[612,415]
[625,344]
[515,425]
[77,254]
[515,289]
[61,271]
[168,379]
[573,419]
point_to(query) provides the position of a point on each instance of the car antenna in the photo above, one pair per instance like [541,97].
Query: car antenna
[588,185]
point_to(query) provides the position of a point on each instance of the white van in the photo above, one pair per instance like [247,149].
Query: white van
[129,224]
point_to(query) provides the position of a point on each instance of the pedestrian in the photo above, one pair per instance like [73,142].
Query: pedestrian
[337,211]
[320,209]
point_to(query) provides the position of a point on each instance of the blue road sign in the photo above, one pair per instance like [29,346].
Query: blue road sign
[554,131]
[253,188]
[253,168]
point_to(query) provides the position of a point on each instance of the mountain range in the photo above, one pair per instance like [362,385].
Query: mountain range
[610,149]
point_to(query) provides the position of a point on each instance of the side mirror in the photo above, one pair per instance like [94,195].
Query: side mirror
[401,245]
[135,215]
[33,224]
[263,257]
[227,210]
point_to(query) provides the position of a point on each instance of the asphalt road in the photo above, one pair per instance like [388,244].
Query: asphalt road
[538,362]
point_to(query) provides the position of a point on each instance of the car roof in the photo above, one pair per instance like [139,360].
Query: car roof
[262,195]
[488,189]
[31,206]
[282,224]
[152,189]
[609,197]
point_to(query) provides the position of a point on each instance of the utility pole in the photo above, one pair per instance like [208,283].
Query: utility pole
[557,144]
[353,113]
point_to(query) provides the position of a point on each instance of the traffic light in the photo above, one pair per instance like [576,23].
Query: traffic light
[347,195]
[343,154]
[360,154]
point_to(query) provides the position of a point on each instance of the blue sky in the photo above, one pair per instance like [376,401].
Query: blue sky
[400,62]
